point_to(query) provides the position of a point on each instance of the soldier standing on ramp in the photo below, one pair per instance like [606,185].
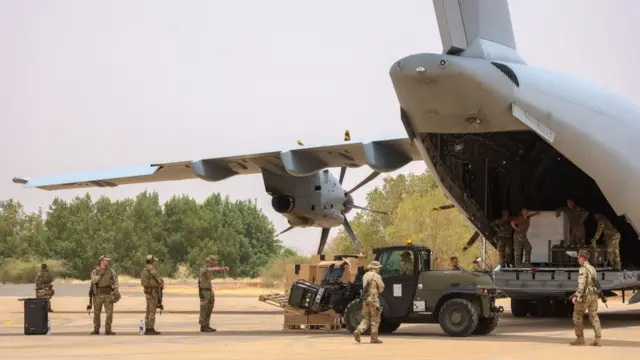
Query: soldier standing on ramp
[586,298]
[520,241]
[105,292]
[577,216]
[372,286]
[44,287]
[205,290]
[152,283]
[611,240]
[504,237]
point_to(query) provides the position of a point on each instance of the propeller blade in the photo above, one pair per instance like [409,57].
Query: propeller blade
[444,207]
[343,170]
[284,231]
[366,209]
[323,239]
[352,235]
[471,241]
[372,176]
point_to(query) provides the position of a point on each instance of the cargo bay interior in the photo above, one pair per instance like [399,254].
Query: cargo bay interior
[486,172]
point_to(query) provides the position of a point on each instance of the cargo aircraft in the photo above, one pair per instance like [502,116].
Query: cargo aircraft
[495,132]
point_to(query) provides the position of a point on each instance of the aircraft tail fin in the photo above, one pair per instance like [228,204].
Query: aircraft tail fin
[477,28]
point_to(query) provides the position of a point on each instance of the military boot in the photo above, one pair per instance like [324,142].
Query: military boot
[206,329]
[356,335]
[596,342]
[578,341]
[109,332]
[96,331]
[375,340]
[151,331]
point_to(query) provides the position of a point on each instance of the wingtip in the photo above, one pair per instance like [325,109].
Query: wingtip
[17,180]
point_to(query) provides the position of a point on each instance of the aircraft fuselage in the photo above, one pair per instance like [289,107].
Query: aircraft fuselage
[448,97]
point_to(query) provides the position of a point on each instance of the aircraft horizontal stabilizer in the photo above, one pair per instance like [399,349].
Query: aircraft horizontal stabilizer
[381,156]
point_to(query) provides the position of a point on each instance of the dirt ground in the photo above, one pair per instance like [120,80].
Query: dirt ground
[249,329]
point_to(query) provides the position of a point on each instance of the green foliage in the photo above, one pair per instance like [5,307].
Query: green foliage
[181,231]
[410,200]
[274,271]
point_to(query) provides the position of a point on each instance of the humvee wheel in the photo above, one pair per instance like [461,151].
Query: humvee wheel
[458,317]
[486,325]
[387,327]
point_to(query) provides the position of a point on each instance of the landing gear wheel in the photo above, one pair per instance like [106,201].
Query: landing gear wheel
[519,307]
[458,317]
[486,325]
[544,307]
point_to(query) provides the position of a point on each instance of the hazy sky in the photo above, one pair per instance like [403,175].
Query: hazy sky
[97,84]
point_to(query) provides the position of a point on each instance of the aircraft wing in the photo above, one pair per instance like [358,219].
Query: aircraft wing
[380,155]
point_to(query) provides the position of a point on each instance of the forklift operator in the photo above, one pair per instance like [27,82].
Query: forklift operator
[406,264]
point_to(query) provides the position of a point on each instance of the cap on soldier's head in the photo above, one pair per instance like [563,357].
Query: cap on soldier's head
[374,265]
[583,254]
[405,254]
[211,258]
[103,257]
[151,258]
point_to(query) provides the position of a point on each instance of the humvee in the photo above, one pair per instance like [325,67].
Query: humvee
[462,302]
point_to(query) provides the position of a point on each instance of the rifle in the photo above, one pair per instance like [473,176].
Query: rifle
[160,306]
[90,299]
[599,292]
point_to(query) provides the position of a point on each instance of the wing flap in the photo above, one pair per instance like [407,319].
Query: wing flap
[381,155]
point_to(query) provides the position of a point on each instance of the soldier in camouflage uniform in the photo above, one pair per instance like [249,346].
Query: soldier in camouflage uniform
[611,240]
[373,286]
[504,238]
[586,299]
[520,241]
[454,265]
[44,286]
[207,296]
[406,265]
[577,216]
[105,292]
[152,284]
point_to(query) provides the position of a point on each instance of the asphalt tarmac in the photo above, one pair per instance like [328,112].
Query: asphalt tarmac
[249,329]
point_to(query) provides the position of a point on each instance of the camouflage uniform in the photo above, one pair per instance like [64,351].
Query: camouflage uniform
[576,217]
[586,300]
[406,265]
[455,268]
[611,241]
[371,310]
[207,296]
[504,238]
[44,286]
[152,283]
[520,240]
[105,292]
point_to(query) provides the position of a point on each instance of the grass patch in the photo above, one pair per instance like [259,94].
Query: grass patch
[24,272]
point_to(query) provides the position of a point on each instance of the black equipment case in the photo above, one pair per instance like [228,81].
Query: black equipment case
[36,316]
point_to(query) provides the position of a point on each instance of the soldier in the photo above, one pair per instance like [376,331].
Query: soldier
[520,241]
[152,284]
[611,240]
[504,237]
[586,298]
[105,292]
[454,265]
[205,290]
[44,286]
[406,265]
[577,216]
[372,285]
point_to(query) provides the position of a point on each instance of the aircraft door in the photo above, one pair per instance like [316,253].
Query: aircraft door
[399,273]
